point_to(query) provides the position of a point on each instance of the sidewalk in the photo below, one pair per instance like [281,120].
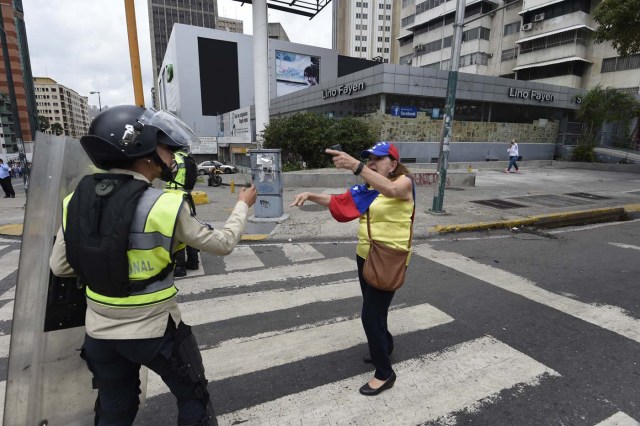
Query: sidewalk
[540,195]
[533,197]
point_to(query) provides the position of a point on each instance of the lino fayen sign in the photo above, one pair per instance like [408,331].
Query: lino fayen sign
[345,89]
[533,95]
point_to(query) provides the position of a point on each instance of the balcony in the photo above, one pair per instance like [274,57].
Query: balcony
[557,24]
[552,46]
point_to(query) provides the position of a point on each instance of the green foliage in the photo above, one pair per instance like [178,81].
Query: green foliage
[43,123]
[304,136]
[619,23]
[598,107]
[584,152]
[57,129]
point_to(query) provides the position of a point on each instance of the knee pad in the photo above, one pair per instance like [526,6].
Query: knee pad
[189,361]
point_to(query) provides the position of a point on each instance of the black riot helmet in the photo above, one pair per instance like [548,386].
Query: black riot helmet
[126,132]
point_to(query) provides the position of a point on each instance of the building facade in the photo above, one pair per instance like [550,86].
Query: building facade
[367,29]
[19,113]
[533,40]
[164,13]
[62,105]
[231,25]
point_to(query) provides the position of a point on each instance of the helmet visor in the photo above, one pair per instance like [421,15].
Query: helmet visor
[180,135]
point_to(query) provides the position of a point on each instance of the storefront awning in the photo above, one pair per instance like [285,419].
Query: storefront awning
[555,61]
[549,3]
[561,30]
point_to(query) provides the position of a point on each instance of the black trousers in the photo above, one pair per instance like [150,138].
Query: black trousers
[115,365]
[375,309]
[7,187]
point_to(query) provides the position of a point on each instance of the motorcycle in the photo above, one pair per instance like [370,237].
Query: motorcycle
[214,177]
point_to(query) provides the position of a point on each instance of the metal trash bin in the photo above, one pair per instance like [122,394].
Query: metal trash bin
[266,168]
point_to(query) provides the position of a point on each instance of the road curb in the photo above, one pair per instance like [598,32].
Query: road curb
[580,217]
[12,229]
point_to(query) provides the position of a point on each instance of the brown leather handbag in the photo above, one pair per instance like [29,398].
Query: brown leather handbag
[385,267]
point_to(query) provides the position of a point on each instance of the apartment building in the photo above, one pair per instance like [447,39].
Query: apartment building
[19,120]
[231,25]
[547,41]
[367,29]
[63,106]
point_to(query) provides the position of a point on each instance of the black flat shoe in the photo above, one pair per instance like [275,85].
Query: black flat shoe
[367,390]
[367,358]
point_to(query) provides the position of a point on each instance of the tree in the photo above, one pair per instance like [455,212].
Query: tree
[599,106]
[619,23]
[43,123]
[56,129]
[304,136]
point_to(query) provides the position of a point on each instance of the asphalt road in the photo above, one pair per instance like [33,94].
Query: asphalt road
[520,327]
[526,327]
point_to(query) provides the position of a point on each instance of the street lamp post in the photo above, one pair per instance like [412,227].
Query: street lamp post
[99,102]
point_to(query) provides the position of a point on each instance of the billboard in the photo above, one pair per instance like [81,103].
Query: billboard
[241,123]
[295,71]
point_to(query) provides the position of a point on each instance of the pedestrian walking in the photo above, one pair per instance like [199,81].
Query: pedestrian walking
[119,235]
[385,206]
[183,183]
[513,156]
[5,180]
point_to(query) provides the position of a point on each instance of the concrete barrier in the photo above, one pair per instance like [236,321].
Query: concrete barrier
[333,178]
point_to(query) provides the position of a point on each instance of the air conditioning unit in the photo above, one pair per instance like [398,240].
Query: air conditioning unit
[539,17]
[527,27]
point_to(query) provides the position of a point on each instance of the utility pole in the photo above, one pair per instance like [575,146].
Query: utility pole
[134,53]
[449,109]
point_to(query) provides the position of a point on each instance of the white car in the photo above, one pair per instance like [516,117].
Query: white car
[206,166]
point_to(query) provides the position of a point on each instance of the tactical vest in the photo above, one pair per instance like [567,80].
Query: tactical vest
[149,229]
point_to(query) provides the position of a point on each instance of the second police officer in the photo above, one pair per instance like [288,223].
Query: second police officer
[118,236]
[183,182]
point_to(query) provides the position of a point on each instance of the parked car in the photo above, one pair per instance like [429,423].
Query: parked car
[206,166]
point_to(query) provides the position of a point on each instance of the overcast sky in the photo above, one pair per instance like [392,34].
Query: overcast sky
[83,45]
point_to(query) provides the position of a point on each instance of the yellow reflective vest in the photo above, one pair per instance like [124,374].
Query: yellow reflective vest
[179,181]
[151,239]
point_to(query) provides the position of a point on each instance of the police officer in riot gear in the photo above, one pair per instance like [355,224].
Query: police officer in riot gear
[118,236]
[186,175]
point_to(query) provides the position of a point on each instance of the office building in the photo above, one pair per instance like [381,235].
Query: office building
[230,25]
[19,116]
[367,29]
[63,106]
[536,40]
[164,13]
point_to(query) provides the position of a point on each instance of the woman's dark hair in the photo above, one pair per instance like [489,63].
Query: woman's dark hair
[400,170]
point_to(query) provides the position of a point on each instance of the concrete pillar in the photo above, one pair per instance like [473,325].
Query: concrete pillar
[260,67]
[383,103]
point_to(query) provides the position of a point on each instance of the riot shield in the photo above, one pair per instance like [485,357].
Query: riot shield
[48,383]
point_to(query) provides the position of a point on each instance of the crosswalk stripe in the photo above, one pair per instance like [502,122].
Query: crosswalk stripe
[9,294]
[626,246]
[428,388]
[223,308]
[6,240]
[9,263]
[619,419]
[3,247]
[279,273]
[301,252]
[609,317]
[4,345]
[242,356]
[3,391]
[242,257]
[6,311]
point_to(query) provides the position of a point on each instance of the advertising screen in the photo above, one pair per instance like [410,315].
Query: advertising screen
[295,71]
